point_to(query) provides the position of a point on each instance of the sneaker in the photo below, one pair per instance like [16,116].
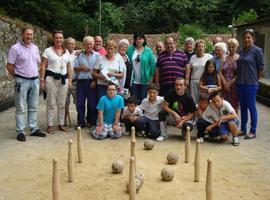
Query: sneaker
[38,133]
[201,140]
[235,141]
[21,137]
[126,133]
[161,138]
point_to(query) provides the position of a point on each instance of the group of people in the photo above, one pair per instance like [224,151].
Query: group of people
[128,84]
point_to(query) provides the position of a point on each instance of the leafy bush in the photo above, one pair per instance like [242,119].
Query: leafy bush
[189,30]
[246,17]
[208,46]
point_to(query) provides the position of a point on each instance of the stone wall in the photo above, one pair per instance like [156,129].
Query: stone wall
[10,32]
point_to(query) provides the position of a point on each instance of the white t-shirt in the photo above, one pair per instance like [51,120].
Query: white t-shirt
[114,66]
[137,112]
[151,110]
[56,63]
[226,109]
[198,65]
[137,68]
[210,114]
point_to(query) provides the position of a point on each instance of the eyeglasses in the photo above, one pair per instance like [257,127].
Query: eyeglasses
[137,59]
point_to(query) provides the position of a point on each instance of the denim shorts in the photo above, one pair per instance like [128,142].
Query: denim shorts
[224,127]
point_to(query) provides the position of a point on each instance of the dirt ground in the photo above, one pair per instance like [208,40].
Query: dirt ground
[26,168]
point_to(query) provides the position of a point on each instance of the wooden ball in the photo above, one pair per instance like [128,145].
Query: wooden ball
[148,144]
[117,167]
[167,174]
[172,158]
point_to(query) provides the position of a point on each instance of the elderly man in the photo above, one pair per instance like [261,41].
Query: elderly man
[86,84]
[98,47]
[178,109]
[23,61]
[171,64]
[70,46]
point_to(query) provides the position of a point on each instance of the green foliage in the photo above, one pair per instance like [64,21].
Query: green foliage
[208,46]
[246,17]
[189,30]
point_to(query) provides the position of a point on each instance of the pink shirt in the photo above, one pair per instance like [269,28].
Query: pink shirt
[25,59]
[101,51]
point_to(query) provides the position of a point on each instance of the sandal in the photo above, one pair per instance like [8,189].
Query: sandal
[62,128]
[50,130]
[250,136]
[241,133]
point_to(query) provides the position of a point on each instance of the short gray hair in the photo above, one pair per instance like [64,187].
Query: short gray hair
[123,42]
[222,46]
[87,38]
[191,40]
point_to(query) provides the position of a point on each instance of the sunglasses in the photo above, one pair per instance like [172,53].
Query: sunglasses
[137,59]
[249,30]
[57,31]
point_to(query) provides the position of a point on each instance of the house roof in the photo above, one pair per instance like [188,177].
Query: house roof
[267,19]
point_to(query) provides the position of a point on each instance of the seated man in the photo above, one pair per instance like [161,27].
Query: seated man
[219,120]
[109,110]
[178,109]
[150,106]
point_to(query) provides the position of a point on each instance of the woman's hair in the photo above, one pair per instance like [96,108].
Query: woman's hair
[205,73]
[222,46]
[233,41]
[110,43]
[88,38]
[139,35]
[123,42]
[191,40]
[200,41]
[250,31]
[56,32]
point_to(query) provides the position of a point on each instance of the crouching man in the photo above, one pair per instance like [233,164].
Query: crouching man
[178,109]
[109,110]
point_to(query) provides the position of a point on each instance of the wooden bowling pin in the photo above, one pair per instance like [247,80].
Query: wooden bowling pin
[187,145]
[132,181]
[55,181]
[197,161]
[70,162]
[209,181]
[79,145]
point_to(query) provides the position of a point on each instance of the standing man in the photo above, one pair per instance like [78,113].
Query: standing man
[178,109]
[171,64]
[98,47]
[70,46]
[86,84]
[23,61]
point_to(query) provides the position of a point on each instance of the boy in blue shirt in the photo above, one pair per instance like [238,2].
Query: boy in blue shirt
[109,110]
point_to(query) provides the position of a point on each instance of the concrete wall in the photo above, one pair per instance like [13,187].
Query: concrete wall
[10,32]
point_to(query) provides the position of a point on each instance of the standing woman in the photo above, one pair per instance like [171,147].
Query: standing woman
[143,62]
[108,68]
[189,47]
[197,63]
[220,52]
[228,72]
[56,78]
[249,69]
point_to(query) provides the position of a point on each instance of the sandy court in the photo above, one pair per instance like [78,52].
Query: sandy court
[26,168]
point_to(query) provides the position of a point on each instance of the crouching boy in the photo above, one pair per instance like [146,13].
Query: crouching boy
[109,110]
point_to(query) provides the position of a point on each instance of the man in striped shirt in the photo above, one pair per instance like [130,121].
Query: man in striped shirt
[171,64]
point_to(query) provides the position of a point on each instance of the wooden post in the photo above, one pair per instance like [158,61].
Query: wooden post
[197,162]
[132,181]
[55,181]
[133,145]
[187,145]
[79,145]
[209,181]
[70,162]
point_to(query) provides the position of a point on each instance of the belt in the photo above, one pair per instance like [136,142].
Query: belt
[28,78]
[83,80]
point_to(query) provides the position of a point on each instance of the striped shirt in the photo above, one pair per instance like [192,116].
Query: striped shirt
[171,66]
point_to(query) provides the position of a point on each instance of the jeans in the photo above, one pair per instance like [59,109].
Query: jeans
[247,98]
[101,91]
[140,91]
[26,100]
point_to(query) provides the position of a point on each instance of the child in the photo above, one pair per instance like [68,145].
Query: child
[201,106]
[131,113]
[151,106]
[224,119]
[210,80]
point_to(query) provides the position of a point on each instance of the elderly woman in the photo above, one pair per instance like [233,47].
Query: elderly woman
[143,62]
[250,66]
[125,82]
[189,47]
[108,68]
[219,57]
[56,77]
[197,64]
[228,72]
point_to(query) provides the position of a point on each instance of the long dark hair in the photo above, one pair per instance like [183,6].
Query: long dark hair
[140,35]
[206,73]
